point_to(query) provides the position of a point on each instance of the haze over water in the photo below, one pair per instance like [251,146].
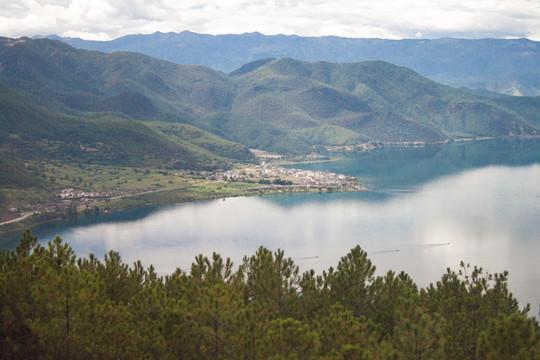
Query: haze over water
[427,209]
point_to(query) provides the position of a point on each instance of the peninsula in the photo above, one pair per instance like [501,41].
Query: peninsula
[150,187]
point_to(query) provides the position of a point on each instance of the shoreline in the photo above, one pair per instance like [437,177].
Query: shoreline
[27,220]
[264,179]
[192,186]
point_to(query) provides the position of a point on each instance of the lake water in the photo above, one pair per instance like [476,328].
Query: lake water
[427,209]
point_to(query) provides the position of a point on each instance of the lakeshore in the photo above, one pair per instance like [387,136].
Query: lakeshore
[75,192]
[266,178]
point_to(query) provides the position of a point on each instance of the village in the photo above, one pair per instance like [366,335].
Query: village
[266,177]
[277,177]
[75,199]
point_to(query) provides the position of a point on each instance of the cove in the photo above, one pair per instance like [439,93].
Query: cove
[427,209]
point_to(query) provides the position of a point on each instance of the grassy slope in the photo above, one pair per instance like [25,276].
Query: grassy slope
[253,132]
[31,131]
[14,175]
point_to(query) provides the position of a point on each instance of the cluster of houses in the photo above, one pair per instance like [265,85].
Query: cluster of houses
[261,154]
[40,208]
[304,179]
[70,193]
[70,198]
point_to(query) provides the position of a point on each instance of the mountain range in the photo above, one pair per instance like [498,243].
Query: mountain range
[505,66]
[128,108]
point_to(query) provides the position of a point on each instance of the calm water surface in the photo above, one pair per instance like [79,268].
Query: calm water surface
[427,209]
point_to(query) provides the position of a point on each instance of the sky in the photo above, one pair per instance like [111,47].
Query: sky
[388,19]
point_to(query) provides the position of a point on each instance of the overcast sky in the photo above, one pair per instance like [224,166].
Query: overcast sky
[393,19]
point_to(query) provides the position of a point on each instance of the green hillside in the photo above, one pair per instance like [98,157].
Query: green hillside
[12,174]
[528,107]
[376,99]
[253,131]
[128,108]
[32,131]
[64,103]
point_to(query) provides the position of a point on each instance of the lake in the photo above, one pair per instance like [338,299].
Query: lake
[427,209]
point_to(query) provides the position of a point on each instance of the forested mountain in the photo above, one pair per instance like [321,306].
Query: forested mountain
[344,103]
[127,107]
[508,66]
[54,304]
[60,102]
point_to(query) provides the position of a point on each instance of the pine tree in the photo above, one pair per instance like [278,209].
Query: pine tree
[313,298]
[217,301]
[288,339]
[350,283]
[271,281]
[419,335]
[467,300]
[53,305]
[392,296]
[18,276]
[341,333]
[512,337]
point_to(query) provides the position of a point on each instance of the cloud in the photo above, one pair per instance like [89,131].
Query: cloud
[396,19]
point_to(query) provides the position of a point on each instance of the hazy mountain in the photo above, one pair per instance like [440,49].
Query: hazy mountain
[56,100]
[505,66]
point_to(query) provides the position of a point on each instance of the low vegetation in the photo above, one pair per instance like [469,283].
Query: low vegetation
[57,305]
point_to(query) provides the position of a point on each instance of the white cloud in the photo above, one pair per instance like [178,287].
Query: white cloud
[107,19]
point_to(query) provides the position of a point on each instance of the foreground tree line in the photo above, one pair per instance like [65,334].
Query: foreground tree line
[55,305]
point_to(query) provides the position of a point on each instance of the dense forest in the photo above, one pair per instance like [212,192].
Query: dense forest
[55,305]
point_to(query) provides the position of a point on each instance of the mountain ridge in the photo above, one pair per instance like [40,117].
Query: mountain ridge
[193,116]
[508,66]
